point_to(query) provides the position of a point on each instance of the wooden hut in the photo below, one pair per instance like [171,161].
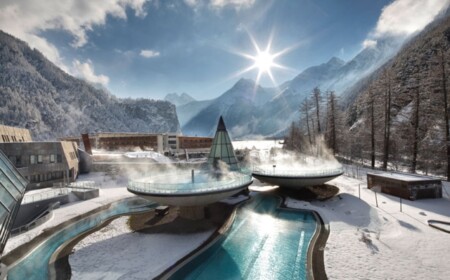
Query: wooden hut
[406,186]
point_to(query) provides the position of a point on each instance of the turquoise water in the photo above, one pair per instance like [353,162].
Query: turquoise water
[35,265]
[265,242]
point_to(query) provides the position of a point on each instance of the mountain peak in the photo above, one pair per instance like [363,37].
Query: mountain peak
[244,82]
[336,61]
[179,99]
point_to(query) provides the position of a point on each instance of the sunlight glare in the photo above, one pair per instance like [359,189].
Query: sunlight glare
[264,61]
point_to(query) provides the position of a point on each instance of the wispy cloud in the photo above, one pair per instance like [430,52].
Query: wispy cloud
[26,19]
[219,4]
[369,43]
[85,70]
[402,18]
[149,53]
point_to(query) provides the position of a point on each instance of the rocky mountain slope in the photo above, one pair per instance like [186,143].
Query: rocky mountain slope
[240,106]
[270,111]
[415,77]
[36,94]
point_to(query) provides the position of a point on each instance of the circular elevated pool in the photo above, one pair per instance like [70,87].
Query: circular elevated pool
[190,188]
[296,179]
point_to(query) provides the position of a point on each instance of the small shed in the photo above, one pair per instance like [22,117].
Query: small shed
[406,186]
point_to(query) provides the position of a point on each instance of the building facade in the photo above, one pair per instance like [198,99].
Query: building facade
[406,186]
[162,143]
[44,163]
[14,134]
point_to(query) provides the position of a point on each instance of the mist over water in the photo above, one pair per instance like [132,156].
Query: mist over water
[316,158]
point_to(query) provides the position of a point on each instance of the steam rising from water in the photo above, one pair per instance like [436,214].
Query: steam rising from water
[317,158]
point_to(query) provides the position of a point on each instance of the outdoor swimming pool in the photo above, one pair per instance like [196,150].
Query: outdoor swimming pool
[36,264]
[265,242]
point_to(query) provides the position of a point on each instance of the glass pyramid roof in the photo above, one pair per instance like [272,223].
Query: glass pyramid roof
[12,189]
[222,148]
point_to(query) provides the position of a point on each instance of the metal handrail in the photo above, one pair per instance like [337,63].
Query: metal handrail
[45,195]
[238,179]
[290,172]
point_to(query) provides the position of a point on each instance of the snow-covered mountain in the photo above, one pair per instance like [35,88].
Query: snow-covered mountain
[240,106]
[179,99]
[252,110]
[36,94]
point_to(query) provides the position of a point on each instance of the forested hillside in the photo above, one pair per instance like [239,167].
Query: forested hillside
[396,118]
[36,94]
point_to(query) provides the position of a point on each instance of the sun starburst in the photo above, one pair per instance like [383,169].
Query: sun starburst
[264,60]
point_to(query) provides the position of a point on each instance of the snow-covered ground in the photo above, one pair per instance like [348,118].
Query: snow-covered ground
[110,191]
[365,242]
[369,242]
[115,252]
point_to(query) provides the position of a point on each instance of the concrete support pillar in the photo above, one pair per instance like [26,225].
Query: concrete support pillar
[192,212]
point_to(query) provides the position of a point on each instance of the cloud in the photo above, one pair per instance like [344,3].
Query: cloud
[219,4]
[85,70]
[26,19]
[149,53]
[237,4]
[405,17]
[369,43]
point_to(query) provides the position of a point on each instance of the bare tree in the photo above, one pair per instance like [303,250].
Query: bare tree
[372,128]
[387,118]
[446,114]
[332,120]
[317,100]
[415,121]
[304,108]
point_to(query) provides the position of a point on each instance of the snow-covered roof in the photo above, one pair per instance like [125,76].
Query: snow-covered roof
[404,177]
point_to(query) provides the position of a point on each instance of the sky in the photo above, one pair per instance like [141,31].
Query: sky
[149,48]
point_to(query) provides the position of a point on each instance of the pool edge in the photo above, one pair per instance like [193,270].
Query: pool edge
[213,239]
[316,260]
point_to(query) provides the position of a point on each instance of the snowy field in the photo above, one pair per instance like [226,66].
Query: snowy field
[365,242]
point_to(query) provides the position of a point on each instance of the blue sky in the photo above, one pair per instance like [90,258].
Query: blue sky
[144,48]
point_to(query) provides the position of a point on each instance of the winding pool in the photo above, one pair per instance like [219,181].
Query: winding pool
[265,242]
[36,264]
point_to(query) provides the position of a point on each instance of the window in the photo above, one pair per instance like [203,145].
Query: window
[18,161]
[40,158]
[58,158]
[32,159]
[13,160]
[52,158]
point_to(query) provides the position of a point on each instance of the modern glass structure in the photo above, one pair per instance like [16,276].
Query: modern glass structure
[197,187]
[222,149]
[12,189]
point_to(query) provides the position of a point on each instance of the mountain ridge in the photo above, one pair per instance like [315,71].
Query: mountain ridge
[36,94]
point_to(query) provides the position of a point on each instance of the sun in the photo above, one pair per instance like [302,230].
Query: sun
[264,60]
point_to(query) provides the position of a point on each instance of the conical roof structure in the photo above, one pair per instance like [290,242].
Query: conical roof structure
[222,149]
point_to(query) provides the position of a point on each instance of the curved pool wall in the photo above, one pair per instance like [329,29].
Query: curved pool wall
[35,265]
[296,179]
[205,187]
[264,242]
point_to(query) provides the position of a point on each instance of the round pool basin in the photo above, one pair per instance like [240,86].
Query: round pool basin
[177,189]
[296,179]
